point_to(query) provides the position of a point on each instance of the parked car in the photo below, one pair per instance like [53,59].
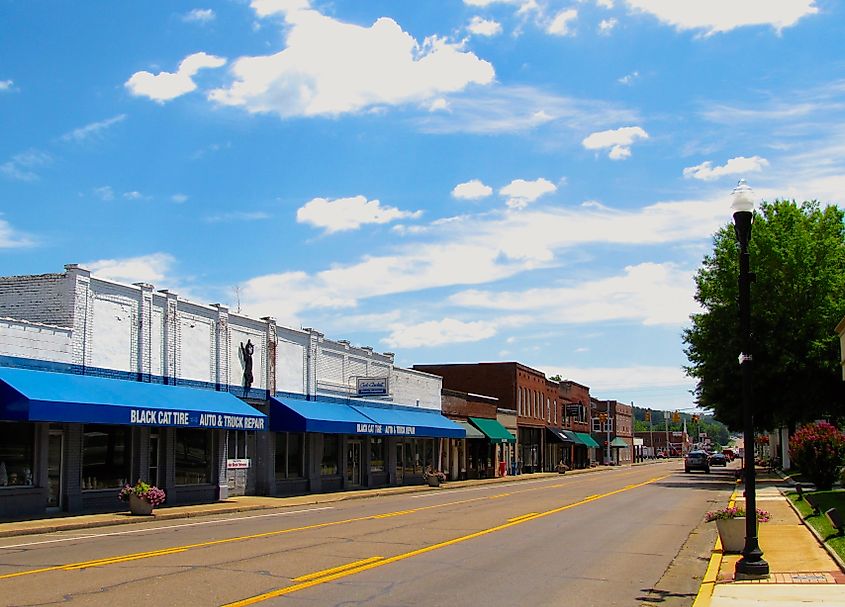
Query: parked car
[697,460]
[718,459]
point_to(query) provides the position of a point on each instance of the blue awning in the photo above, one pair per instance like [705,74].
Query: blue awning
[43,396]
[291,414]
[296,414]
[405,421]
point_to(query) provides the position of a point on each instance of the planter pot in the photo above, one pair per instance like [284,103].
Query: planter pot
[139,506]
[731,534]
[433,481]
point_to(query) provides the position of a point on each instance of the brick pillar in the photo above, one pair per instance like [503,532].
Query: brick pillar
[223,344]
[79,295]
[170,364]
[145,328]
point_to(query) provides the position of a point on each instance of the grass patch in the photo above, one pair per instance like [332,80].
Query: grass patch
[825,500]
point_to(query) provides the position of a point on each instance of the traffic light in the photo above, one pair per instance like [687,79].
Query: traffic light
[676,417]
[648,415]
[602,417]
[695,419]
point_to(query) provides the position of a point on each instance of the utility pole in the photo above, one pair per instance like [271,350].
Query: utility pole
[666,419]
[650,433]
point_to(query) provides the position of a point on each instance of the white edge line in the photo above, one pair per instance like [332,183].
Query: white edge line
[153,529]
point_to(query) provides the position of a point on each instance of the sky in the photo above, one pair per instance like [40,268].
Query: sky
[452,181]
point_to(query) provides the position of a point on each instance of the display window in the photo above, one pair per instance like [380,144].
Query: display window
[17,449]
[290,455]
[193,460]
[331,455]
[105,456]
[376,455]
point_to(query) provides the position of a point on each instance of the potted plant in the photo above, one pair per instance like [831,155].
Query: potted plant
[730,522]
[434,477]
[142,497]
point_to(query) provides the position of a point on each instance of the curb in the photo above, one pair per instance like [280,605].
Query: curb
[819,538]
[708,582]
[318,498]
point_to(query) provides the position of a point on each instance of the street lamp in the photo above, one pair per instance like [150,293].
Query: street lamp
[751,564]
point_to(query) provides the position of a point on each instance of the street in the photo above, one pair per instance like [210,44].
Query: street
[601,538]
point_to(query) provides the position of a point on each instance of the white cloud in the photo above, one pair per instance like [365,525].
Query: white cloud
[439,104]
[651,293]
[104,192]
[724,15]
[11,238]
[521,193]
[94,129]
[608,379]
[735,166]
[473,189]
[629,78]
[263,8]
[134,195]
[608,4]
[7,86]
[559,24]
[329,68]
[199,15]
[165,86]
[618,140]
[22,166]
[607,25]
[518,109]
[484,27]
[438,332]
[153,268]
[179,198]
[344,214]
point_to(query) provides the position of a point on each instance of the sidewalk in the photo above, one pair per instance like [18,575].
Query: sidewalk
[802,572]
[241,504]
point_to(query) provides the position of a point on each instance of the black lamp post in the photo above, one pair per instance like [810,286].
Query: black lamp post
[751,564]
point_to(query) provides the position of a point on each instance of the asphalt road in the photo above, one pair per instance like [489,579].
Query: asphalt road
[604,538]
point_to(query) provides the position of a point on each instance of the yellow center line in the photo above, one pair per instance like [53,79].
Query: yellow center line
[400,557]
[240,538]
[497,496]
[519,518]
[324,572]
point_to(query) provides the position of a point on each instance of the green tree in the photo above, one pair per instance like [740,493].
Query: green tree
[798,297]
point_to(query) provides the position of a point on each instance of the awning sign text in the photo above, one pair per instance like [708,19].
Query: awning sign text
[190,419]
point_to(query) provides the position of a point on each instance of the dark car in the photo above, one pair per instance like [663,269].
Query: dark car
[718,459]
[697,460]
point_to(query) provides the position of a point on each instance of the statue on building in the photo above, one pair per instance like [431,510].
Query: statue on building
[246,354]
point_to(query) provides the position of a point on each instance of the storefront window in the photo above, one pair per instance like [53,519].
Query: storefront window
[193,459]
[16,454]
[105,456]
[289,455]
[331,452]
[376,455]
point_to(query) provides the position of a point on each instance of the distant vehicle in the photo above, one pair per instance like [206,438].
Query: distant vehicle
[660,455]
[729,453]
[718,459]
[697,460]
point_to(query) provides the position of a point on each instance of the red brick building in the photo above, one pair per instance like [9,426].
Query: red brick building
[619,427]
[575,415]
[475,456]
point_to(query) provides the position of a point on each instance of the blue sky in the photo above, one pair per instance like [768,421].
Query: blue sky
[452,181]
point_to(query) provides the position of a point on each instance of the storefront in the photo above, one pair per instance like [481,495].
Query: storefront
[469,456]
[499,439]
[340,444]
[557,450]
[531,449]
[69,442]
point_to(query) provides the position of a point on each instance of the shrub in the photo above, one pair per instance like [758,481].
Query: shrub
[819,452]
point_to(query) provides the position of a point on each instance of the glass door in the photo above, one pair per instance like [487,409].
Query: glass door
[54,469]
[353,463]
[400,463]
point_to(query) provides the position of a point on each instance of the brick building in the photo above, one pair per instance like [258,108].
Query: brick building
[617,429]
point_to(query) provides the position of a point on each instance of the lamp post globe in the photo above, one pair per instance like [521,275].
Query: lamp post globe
[751,565]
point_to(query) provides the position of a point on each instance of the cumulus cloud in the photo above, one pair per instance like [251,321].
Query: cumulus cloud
[344,214]
[11,238]
[484,27]
[104,192]
[619,141]
[438,332]
[199,15]
[7,86]
[473,189]
[92,130]
[607,25]
[716,16]
[438,105]
[153,268]
[165,86]
[735,166]
[559,24]
[629,78]
[22,166]
[521,193]
[329,67]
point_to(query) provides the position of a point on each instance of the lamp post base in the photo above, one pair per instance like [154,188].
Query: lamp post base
[747,569]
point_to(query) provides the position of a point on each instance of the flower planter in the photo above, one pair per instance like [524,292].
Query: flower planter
[139,506]
[732,533]
[433,481]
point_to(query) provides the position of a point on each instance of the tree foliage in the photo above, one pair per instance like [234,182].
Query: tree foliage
[798,297]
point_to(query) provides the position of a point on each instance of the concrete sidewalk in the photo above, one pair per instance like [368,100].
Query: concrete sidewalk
[243,504]
[802,572]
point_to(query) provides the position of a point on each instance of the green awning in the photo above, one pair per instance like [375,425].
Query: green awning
[586,439]
[495,431]
[618,442]
[572,436]
[472,431]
